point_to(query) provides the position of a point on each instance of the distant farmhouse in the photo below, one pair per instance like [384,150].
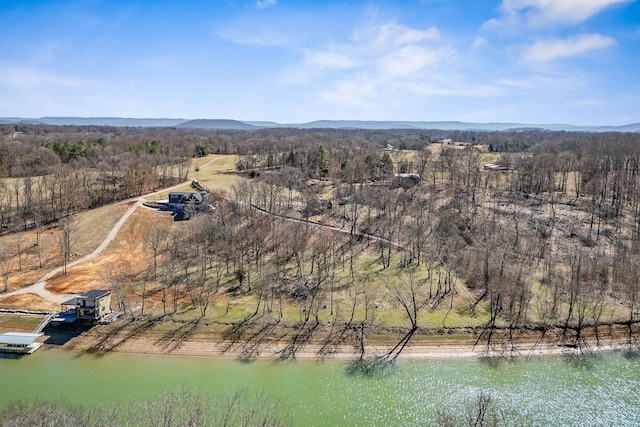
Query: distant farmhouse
[493,167]
[481,147]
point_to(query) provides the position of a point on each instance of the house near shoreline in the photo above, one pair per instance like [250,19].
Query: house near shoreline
[93,306]
[87,309]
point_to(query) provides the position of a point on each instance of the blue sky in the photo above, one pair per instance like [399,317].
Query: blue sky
[528,61]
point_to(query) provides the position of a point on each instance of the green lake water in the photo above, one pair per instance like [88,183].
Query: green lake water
[586,391]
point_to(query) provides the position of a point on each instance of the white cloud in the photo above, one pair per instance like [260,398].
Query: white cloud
[31,92]
[478,42]
[410,61]
[538,84]
[263,4]
[392,35]
[590,102]
[257,36]
[354,92]
[547,50]
[30,78]
[287,30]
[329,59]
[378,66]
[387,68]
[544,13]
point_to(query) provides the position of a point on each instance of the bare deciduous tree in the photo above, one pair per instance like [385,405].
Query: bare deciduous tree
[67,227]
[412,295]
[118,277]
[5,266]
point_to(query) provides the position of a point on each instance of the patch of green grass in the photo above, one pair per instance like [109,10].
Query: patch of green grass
[216,175]
[19,322]
[222,182]
[453,319]
[391,317]
[235,310]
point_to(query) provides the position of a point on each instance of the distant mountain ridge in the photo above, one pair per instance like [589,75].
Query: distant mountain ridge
[218,124]
[228,124]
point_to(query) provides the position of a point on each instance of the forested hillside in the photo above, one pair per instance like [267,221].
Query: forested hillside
[344,236]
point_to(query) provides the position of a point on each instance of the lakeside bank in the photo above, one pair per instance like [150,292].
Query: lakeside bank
[184,339]
[169,336]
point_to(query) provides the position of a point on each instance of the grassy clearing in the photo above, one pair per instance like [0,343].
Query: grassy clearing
[216,172]
[222,182]
[93,226]
[215,162]
[19,322]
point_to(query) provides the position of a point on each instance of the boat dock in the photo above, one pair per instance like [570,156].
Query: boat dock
[25,342]
[19,342]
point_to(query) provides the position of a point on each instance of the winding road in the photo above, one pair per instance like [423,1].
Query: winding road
[39,287]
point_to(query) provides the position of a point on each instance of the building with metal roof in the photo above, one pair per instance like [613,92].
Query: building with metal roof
[94,306]
[19,342]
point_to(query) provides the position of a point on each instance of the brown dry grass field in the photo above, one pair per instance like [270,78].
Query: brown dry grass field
[215,172]
[90,229]
[128,250]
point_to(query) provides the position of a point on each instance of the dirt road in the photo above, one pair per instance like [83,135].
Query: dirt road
[39,287]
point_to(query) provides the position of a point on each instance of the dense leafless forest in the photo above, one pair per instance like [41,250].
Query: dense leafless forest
[549,243]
